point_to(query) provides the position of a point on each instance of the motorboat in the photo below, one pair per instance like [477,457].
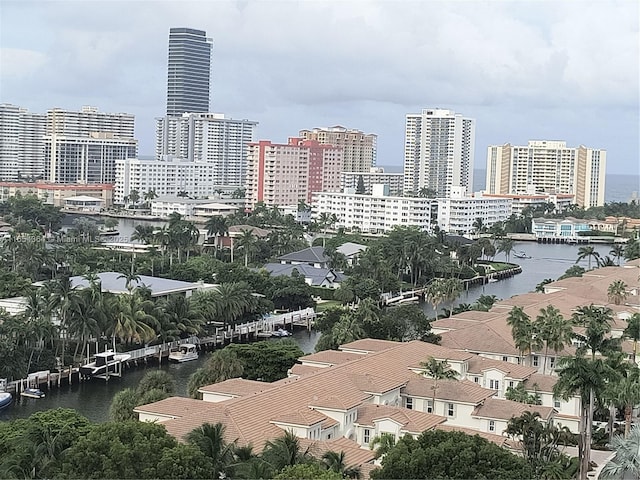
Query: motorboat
[281,333]
[5,400]
[105,362]
[184,353]
[32,393]
[521,255]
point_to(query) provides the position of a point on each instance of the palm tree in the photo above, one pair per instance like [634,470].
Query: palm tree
[632,331]
[506,246]
[554,331]
[478,225]
[587,252]
[217,226]
[130,277]
[247,243]
[452,290]
[523,331]
[63,297]
[617,292]
[132,322]
[437,370]
[143,233]
[625,465]
[382,443]
[335,462]
[347,330]
[285,451]
[178,317]
[617,252]
[326,221]
[210,440]
[435,293]
[625,393]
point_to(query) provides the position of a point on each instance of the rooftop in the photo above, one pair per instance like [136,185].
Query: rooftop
[309,255]
[114,282]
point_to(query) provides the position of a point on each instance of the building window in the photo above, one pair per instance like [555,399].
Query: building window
[492,425]
[450,410]
[429,406]
[505,359]
[367,435]
[409,403]
[494,384]
[476,379]
[552,362]
[556,404]
[535,360]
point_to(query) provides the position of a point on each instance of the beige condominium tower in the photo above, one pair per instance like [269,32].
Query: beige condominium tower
[544,166]
[359,148]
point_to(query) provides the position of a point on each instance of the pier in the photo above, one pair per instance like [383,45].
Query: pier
[244,332]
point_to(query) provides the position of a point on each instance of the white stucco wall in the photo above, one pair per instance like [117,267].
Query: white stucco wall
[216,397]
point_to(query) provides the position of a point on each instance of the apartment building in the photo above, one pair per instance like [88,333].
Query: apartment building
[359,148]
[376,175]
[520,202]
[209,138]
[286,174]
[458,213]
[166,178]
[438,151]
[375,213]
[21,143]
[544,166]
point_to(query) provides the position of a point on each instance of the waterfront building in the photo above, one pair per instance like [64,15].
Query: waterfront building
[544,166]
[287,174]
[520,202]
[349,396]
[190,208]
[438,151]
[21,143]
[459,212]
[209,138]
[56,194]
[359,149]
[376,175]
[188,71]
[166,178]
[567,229]
[375,213]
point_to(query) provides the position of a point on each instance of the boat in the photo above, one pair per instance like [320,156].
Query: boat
[32,393]
[184,353]
[492,280]
[109,233]
[281,333]
[521,255]
[5,400]
[105,362]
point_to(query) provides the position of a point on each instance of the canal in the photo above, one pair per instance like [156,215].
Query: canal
[93,398]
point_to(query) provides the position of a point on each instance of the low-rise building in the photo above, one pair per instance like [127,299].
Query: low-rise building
[190,208]
[375,213]
[375,176]
[520,202]
[565,229]
[458,213]
[56,193]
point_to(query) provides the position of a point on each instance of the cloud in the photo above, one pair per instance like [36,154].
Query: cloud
[20,63]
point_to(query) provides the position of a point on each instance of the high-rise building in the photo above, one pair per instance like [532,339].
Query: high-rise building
[209,138]
[376,175]
[547,167]
[438,151]
[21,143]
[285,174]
[359,149]
[189,71]
[82,147]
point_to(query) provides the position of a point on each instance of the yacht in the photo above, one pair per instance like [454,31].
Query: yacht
[5,400]
[32,393]
[184,353]
[105,362]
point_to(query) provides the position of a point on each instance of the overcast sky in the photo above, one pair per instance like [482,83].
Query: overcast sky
[554,70]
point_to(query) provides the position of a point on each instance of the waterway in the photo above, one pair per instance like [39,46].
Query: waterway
[93,398]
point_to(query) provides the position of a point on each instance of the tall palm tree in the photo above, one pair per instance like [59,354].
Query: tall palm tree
[247,243]
[452,290]
[326,221]
[84,321]
[143,233]
[132,322]
[210,440]
[63,297]
[524,332]
[632,331]
[617,292]
[285,451]
[506,246]
[625,465]
[178,318]
[589,252]
[230,301]
[217,226]
[347,330]
[435,293]
[437,370]
[625,393]
[554,331]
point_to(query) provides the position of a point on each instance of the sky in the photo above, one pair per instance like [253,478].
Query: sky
[525,70]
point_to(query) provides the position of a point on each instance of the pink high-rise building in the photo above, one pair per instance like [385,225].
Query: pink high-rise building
[285,174]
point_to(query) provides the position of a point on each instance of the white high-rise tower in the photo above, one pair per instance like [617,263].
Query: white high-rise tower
[438,151]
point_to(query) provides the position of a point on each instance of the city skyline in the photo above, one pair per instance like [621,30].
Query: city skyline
[567,72]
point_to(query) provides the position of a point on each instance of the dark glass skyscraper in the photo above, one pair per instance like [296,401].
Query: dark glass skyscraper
[189,71]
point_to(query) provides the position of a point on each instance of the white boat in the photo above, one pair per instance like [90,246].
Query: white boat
[184,353]
[104,362]
[32,393]
[281,333]
[521,255]
[5,400]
